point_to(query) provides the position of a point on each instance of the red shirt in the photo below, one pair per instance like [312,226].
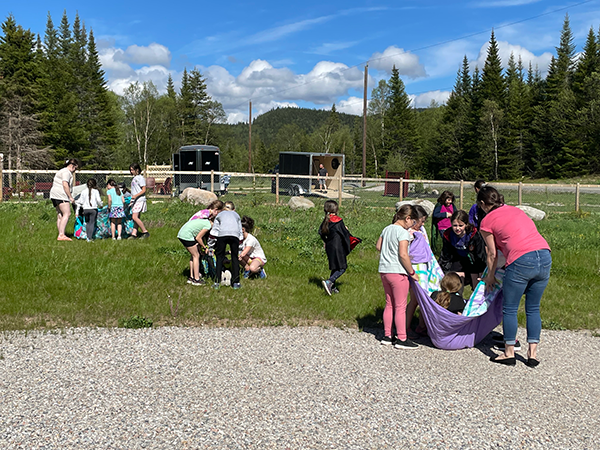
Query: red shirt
[514,233]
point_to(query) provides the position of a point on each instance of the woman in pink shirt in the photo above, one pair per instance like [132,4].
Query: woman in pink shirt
[528,263]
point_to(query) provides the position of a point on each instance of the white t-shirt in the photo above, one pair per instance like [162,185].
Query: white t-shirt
[58,191]
[256,250]
[137,184]
[389,259]
[86,202]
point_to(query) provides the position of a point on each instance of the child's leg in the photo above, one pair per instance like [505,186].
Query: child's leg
[195,262]
[220,254]
[398,285]
[119,226]
[112,227]
[256,265]
[234,246]
[138,222]
[388,312]
[335,274]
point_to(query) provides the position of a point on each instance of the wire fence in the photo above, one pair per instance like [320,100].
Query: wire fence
[35,185]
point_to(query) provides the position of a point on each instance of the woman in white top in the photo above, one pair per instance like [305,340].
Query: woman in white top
[90,201]
[61,196]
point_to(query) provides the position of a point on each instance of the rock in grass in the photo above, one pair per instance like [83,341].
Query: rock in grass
[426,204]
[197,196]
[297,203]
[532,213]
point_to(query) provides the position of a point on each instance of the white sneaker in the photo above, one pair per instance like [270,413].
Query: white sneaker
[119,238]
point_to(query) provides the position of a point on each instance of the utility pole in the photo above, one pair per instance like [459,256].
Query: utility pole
[250,140]
[364,165]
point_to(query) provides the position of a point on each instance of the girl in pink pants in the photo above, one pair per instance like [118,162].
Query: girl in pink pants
[395,268]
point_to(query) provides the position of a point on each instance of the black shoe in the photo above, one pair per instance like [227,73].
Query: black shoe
[531,362]
[500,346]
[145,235]
[406,344]
[506,361]
[387,340]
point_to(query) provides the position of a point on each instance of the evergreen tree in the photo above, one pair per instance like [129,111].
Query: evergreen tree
[560,73]
[493,84]
[518,116]
[588,63]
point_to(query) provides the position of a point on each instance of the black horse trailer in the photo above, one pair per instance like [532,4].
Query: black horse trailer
[196,158]
[300,163]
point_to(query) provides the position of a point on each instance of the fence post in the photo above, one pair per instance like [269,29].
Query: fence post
[462,191]
[2,177]
[340,189]
[520,193]
[212,181]
[277,188]
[401,189]
[577,197]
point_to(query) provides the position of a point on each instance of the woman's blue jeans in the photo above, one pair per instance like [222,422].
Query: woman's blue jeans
[528,275]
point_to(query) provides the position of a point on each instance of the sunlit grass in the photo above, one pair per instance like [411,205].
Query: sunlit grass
[47,284]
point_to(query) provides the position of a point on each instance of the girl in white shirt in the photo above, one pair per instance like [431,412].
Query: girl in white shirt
[252,256]
[138,201]
[90,201]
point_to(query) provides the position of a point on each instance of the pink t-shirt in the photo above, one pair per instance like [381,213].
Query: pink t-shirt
[514,233]
[444,224]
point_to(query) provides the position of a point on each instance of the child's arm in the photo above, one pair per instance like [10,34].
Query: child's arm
[199,238]
[378,244]
[245,252]
[405,260]
[109,201]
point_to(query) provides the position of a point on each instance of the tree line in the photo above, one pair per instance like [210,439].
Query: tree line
[497,124]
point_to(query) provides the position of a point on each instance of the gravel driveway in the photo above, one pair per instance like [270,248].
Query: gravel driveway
[282,388]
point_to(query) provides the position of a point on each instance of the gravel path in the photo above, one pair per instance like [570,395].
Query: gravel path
[278,388]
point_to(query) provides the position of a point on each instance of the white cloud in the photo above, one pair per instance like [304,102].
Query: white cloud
[505,49]
[153,54]
[351,105]
[424,100]
[407,63]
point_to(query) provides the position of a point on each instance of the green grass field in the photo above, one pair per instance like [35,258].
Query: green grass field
[50,284]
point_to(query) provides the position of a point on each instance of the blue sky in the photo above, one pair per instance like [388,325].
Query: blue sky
[310,53]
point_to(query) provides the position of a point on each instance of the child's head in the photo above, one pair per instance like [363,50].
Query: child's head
[73,164]
[460,223]
[447,198]
[91,184]
[330,207]
[478,185]
[112,184]
[419,215]
[135,169]
[215,207]
[403,216]
[247,224]
[450,284]
[229,206]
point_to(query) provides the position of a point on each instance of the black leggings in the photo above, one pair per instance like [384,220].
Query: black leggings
[220,246]
[90,221]
[335,274]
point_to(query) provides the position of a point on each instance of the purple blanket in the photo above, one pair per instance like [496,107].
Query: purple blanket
[450,331]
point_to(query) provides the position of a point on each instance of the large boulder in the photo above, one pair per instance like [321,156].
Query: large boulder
[532,213]
[197,196]
[426,204]
[297,203]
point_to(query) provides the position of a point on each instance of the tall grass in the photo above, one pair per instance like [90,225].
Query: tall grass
[46,284]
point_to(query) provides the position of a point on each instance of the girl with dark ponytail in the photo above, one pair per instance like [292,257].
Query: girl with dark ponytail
[336,237]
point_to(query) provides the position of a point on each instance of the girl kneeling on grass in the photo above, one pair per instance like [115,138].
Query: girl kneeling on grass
[191,235]
[395,268]
[336,237]
[115,206]
[252,256]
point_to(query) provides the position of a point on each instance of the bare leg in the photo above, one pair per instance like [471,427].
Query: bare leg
[532,352]
[112,227]
[138,222]
[119,226]
[195,262]
[255,266]
[64,212]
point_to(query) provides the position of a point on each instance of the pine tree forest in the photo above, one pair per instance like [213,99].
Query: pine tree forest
[502,121]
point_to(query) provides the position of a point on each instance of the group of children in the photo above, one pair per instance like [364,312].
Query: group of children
[208,233]
[405,252]
[119,199]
